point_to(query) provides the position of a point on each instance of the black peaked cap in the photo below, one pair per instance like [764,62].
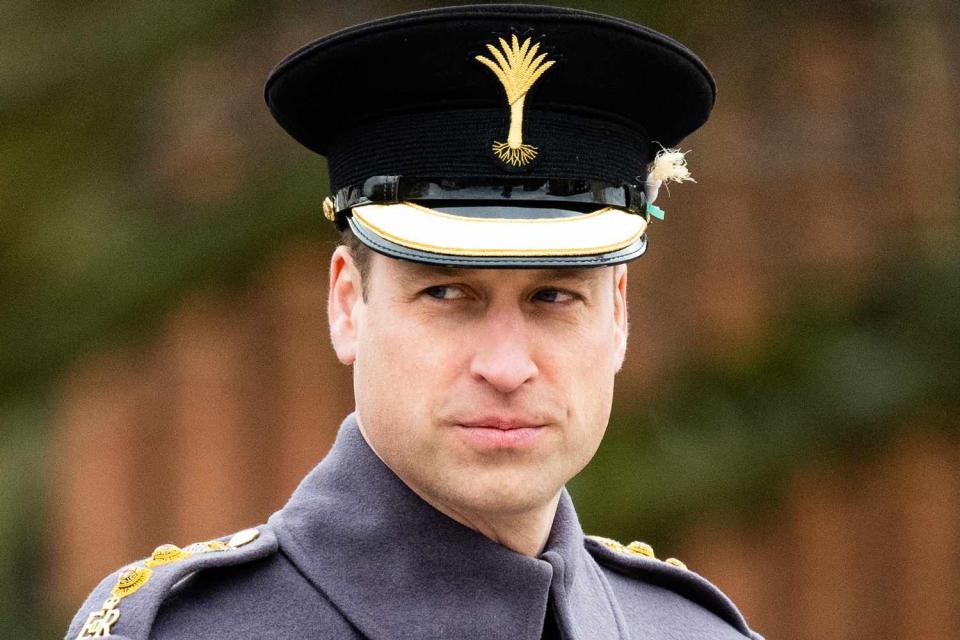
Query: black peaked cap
[406,96]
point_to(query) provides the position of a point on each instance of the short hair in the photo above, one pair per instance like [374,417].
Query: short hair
[361,258]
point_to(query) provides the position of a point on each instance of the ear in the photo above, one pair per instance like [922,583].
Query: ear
[620,317]
[343,304]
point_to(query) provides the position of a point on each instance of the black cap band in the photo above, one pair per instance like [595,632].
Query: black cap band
[575,194]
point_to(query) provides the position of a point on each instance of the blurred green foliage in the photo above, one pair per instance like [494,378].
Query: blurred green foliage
[87,250]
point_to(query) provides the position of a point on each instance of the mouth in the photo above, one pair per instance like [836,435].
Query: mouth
[498,422]
[497,432]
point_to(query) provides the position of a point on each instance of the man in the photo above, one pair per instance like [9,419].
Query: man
[490,174]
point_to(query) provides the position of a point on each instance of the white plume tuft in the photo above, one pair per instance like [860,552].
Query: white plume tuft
[669,165]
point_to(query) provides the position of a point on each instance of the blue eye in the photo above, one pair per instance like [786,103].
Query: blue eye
[553,295]
[444,292]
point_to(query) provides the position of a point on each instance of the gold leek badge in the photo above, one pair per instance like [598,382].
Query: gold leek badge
[517,67]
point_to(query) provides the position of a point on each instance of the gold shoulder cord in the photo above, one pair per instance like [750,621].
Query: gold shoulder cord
[130,580]
[635,548]
[517,67]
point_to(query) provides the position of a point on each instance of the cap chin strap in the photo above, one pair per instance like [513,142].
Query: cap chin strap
[517,191]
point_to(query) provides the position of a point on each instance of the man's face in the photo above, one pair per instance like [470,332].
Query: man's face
[483,389]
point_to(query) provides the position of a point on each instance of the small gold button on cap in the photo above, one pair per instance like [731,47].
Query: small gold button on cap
[243,537]
[676,563]
[329,210]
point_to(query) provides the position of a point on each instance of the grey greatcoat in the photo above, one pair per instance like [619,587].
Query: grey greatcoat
[356,554]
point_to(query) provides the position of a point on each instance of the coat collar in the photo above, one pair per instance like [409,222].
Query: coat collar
[396,567]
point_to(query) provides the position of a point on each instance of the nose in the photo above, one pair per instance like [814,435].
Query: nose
[503,357]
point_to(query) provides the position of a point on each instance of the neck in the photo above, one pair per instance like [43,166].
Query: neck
[525,532]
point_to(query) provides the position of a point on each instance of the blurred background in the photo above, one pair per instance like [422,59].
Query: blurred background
[786,422]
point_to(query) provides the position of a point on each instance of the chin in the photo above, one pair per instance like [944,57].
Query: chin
[496,494]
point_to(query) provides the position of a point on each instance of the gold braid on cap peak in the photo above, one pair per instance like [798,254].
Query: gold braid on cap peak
[517,67]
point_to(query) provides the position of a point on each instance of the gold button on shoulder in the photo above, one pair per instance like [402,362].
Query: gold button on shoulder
[206,547]
[165,554]
[641,549]
[244,537]
[130,580]
[609,543]
[675,563]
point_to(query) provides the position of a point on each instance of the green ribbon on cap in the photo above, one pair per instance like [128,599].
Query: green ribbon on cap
[655,211]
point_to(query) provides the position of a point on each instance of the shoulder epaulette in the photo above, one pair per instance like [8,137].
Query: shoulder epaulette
[638,560]
[124,605]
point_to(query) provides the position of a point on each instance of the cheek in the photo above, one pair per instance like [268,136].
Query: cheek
[586,366]
[404,360]
[596,368]
[587,353]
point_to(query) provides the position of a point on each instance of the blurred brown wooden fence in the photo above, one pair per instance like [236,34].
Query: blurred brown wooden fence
[858,549]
